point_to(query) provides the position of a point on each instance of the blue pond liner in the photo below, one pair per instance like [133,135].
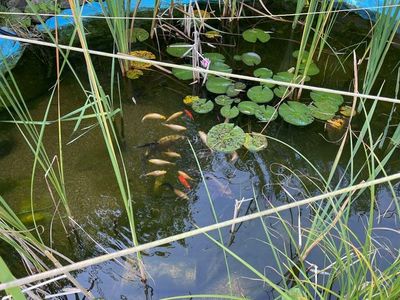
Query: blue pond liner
[10,52]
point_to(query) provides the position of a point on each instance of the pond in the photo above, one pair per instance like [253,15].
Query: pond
[276,175]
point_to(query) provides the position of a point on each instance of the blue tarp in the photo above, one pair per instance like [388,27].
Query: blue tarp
[10,51]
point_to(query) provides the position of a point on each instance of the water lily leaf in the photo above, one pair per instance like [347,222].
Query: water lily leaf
[217,85]
[345,110]
[254,34]
[240,85]
[312,69]
[231,91]
[220,66]
[141,54]
[202,106]
[223,100]
[179,49]
[323,111]
[280,91]
[214,56]
[237,100]
[334,99]
[229,112]
[248,107]
[266,114]
[237,57]
[294,293]
[260,94]
[289,77]
[306,54]
[183,74]
[264,73]
[212,34]
[255,141]
[225,137]
[134,73]
[251,58]
[296,113]
[139,34]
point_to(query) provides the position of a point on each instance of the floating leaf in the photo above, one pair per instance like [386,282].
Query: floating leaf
[202,106]
[306,54]
[214,56]
[345,110]
[139,34]
[134,73]
[225,137]
[231,91]
[220,66]
[280,91]
[254,34]
[266,114]
[264,73]
[179,49]
[260,94]
[223,100]
[240,85]
[229,112]
[323,111]
[289,77]
[189,99]
[183,74]
[251,58]
[294,293]
[296,113]
[217,85]
[312,69]
[212,34]
[237,57]
[255,141]
[334,99]
[248,107]
[141,54]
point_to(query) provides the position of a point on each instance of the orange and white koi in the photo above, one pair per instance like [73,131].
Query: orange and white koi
[181,194]
[189,114]
[184,175]
[153,116]
[184,182]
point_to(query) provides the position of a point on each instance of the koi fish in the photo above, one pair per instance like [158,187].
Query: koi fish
[174,116]
[175,127]
[184,175]
[156,173]
[203,137]
[170,138]
[160,162]
[189,114]
[181,194]
[234,156]
[172,154]
[184,182]
[153,116]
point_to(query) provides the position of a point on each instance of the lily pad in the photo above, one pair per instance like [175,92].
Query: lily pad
[223,100]
[312,69]
[289,77]
[139,34]
[248,107]
[264,73]
[202,106]
[266,114]
[237,57]
[240,85]
[296,113]
[323,111]
[254,34]
[280,91]
[179,49]
[251,58]
[134,73]
[212,34]
[345,110]
[232,91]
[255,141]
[327,97]
[225,137]
[220,66]
[306,54]
[229,112]
[183,74]
[214,56]
[260,94]
[217,85]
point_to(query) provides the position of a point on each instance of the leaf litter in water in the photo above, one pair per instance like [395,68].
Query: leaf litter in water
[255,141]
[296,113]
[225,137]
[253,35]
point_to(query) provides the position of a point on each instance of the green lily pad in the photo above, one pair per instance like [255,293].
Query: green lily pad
[260,94]
[231,91]
[223,100]
[214,56]
[294,293]
[296,113]
[334,99]
[251,58]
[306,54]
[255,141]
[254,34]
[139,34]
[345,110]
[202,106]
[179,49]
[289,77]
[264,73]
[237,100]
[220,66]
[183,74]
[312,69]
[237,57]
[248,107]
[323,111]
[217,85]
[225,137]
[229,112]
[266,114]
[240,85]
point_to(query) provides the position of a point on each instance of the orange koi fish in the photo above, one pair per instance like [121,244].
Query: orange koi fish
[184,182]
[189,114]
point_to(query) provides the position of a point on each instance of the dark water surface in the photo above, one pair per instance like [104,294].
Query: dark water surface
[195,265]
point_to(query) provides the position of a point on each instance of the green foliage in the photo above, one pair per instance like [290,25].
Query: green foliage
[260,94]
[229,112]
[248,107]
[296,113]
[139,34]
[44,7]
[333,99]
[251,58]
[223,100]
[202,106]
[255,142]
[183,74]
[253,35]
[179,49]
[266,113]
[217,85]
[214,56]
[225,137]
[217,65]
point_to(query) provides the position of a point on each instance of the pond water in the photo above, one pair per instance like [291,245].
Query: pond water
[195,265]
